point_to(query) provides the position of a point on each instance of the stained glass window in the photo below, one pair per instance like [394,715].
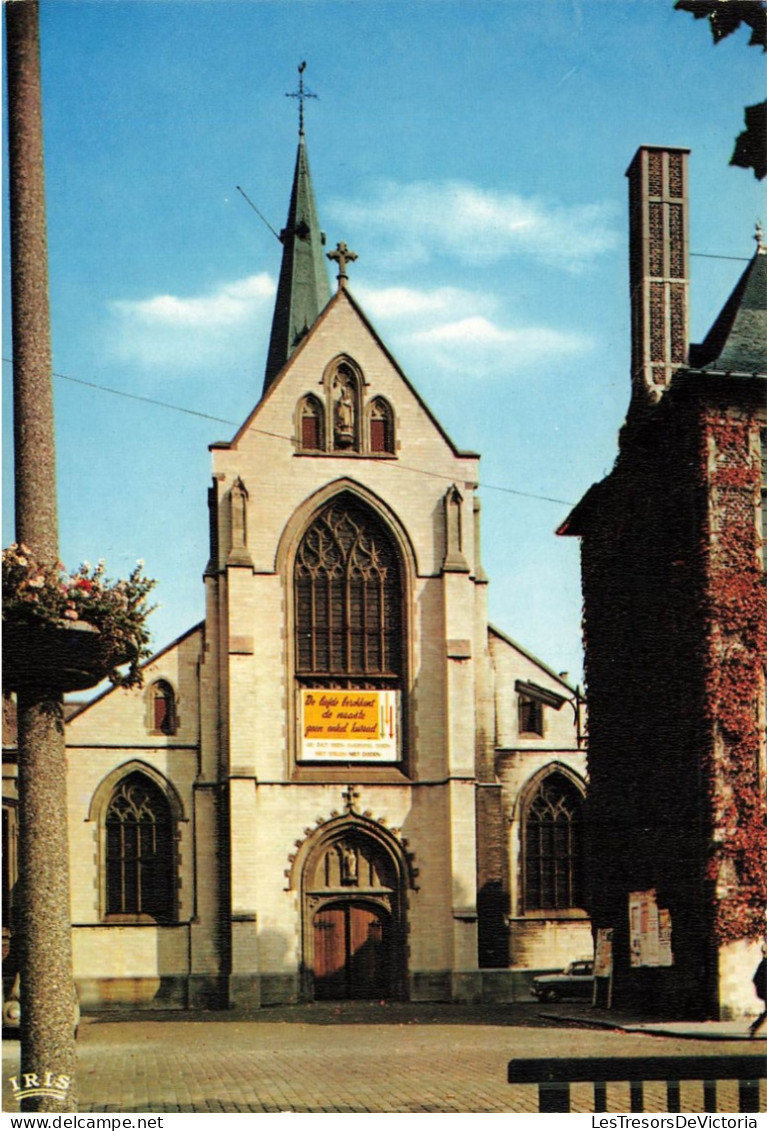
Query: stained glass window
[140,865]
[348,596]
[554,846]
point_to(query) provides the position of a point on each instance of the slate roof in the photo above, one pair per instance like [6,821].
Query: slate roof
[303,289]
[737,341]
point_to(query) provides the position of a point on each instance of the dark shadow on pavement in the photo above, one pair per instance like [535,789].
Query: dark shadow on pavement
[350,1013]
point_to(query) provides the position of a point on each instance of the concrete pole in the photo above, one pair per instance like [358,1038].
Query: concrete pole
[43,923]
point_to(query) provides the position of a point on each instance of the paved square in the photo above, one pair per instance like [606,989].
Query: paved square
[349,1058]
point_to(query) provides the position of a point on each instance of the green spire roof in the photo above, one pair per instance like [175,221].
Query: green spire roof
[737,342]
[303,289]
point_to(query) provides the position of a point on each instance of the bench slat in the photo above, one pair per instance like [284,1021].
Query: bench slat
[535,1070]
[554,1077]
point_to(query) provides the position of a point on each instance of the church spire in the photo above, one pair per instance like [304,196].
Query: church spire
[303,289]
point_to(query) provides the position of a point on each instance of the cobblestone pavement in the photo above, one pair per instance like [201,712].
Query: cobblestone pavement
[355,1057]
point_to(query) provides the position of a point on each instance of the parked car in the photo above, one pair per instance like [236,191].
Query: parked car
[576,980]
[12,1008]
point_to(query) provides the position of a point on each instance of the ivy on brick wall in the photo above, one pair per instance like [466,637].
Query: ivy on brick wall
[736,661]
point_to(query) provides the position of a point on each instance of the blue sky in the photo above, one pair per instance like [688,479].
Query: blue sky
[471,151]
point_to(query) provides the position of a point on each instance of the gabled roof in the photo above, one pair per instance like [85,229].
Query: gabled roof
[737,341]
[493,631]
[343,294]
[303,289]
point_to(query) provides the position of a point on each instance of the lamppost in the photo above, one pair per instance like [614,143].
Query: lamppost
[46,1080]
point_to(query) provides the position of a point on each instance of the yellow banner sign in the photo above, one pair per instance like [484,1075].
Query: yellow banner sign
[348,724]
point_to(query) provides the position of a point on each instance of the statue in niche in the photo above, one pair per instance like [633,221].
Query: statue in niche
[454,558]
[349,864]
[344,416]
[238,517]
[239,503]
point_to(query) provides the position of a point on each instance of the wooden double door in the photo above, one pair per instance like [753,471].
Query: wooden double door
[353,951]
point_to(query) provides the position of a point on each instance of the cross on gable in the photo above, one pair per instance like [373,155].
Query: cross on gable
[351,796]
[341,255]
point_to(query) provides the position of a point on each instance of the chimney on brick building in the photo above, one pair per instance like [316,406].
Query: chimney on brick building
[659,269]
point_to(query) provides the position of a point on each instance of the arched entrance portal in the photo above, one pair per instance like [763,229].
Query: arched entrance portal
[352,951]
[353,879]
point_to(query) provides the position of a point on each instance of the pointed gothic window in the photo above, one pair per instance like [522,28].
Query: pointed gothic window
[139,851]
[311,425]
[348,599]
[381,427]
[163,708]
[553,856]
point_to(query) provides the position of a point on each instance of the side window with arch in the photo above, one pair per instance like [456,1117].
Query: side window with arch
[139,852]
[163,714]
[553,846]
[311,425]
[381,427]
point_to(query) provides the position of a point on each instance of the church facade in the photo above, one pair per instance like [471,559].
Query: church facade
[343,783]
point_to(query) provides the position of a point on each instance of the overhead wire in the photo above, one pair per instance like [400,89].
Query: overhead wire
[282,436]
[706,255]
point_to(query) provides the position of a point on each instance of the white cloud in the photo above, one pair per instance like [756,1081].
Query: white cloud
[475,225]
[464,331]
[453,329]
[476,329]
[174,331]
[411,304]
[475,345]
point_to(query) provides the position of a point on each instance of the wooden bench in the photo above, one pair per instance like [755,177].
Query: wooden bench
[554,1077]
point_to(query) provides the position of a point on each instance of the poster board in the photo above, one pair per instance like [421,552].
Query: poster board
[603,968]
[649,930]
[345,725]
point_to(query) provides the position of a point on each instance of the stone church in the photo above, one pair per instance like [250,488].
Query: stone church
[343,783]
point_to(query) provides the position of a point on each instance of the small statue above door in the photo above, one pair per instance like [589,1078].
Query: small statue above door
[349,864]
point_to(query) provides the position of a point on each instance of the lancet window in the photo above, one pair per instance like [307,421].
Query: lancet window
[140,851]
[311,425]
[348,599]
[381,427]
[163,708]
[553,857]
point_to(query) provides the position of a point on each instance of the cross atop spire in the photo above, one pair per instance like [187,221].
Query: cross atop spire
[302,289]
[301,94]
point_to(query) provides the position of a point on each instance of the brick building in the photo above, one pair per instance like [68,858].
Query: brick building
[673,560]
[343,783]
